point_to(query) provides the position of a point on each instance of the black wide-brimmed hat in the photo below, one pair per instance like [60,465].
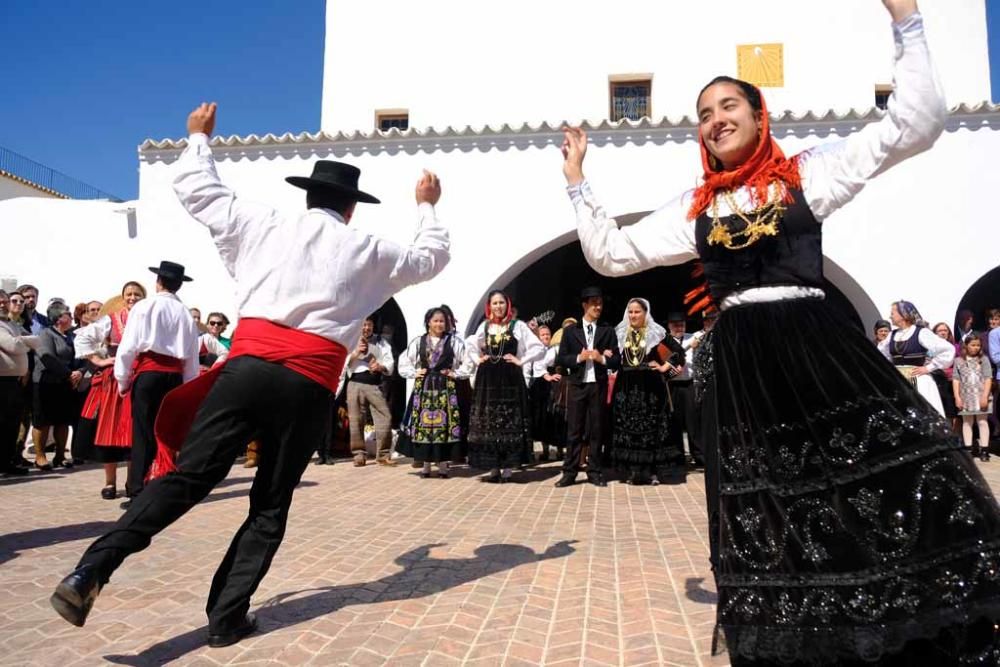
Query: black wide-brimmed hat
[338,177]
[592,291]
[170,271]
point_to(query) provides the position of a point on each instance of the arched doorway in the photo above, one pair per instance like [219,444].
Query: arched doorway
[391,325]
[553,281]
[981,296]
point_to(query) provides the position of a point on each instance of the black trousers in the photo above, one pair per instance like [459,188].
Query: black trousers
[683,418]
[10,420]
[586,416]
[148,391]
[290,415]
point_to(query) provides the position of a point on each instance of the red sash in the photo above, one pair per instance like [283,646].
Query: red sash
[155,362]
[310,355]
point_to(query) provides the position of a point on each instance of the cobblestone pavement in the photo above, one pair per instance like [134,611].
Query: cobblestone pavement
[380,567]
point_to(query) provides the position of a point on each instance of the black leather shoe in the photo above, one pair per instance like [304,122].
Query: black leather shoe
[75,595]
[109,492]
[597,480]
[229,638]
[126,504]
[566,480]
[492,479]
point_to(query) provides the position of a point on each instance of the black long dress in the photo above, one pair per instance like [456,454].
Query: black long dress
[847,520]
[639,419]
[499,423]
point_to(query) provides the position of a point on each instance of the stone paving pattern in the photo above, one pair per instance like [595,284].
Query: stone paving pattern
[380,567]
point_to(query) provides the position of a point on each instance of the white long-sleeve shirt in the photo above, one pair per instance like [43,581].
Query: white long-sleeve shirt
[537,369]
[940,353]
[378,350]
[314,272]
[214,346]
[409,361]
[161,324]
[832,174]
[92,339]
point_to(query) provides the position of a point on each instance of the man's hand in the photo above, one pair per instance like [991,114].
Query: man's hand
[421,372]
[900,9]
[375,367]
[574,148]
[918,371]
[202,119]
[428,189]
[74,378]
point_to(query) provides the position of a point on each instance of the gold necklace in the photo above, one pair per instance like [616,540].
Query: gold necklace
[765,222]
[635,349]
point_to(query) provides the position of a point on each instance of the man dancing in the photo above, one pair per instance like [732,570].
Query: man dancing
[303,289]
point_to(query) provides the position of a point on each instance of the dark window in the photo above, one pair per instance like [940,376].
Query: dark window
[630,99]
[882,94]
[389,121]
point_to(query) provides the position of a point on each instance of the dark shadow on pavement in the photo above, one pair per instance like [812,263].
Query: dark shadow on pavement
[11,544]
[694,591]
[421,576]
[237,493]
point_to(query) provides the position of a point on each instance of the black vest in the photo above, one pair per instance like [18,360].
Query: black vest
[909,352]
[793,257]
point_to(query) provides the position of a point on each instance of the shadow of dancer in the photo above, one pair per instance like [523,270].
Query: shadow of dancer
[13,543]
[421,576]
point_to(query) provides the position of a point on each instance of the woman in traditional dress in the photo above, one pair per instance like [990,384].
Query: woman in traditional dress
[499,437]
[432,431]
[639,403]
[848,524]
[112,413]
[917,352]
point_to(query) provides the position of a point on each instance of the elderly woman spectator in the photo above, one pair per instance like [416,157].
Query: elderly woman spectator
[56,376]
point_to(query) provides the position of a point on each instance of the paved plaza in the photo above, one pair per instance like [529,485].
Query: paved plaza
[380,567]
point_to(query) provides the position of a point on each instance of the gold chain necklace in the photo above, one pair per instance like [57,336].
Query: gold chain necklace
[764,223]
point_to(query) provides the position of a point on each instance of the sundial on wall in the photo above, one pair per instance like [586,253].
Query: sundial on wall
[761,64]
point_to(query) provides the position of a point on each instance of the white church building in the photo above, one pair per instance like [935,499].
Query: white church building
[478,94]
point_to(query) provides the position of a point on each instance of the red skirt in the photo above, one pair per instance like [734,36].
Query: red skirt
[113,412]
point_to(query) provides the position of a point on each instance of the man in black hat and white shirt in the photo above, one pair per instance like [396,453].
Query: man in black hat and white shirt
[588,351]
[304,285]
[158,352]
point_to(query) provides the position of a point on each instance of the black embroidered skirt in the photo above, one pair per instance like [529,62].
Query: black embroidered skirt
[639,417]
[499,423]
[849,523]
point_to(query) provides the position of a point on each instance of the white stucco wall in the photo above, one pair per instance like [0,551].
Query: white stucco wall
[83,250]
[917,232]
[452,63]
[11,188]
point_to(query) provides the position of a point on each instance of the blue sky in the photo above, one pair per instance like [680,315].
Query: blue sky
[91,79]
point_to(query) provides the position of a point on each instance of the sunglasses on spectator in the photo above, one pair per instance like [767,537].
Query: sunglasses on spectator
[215,323]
